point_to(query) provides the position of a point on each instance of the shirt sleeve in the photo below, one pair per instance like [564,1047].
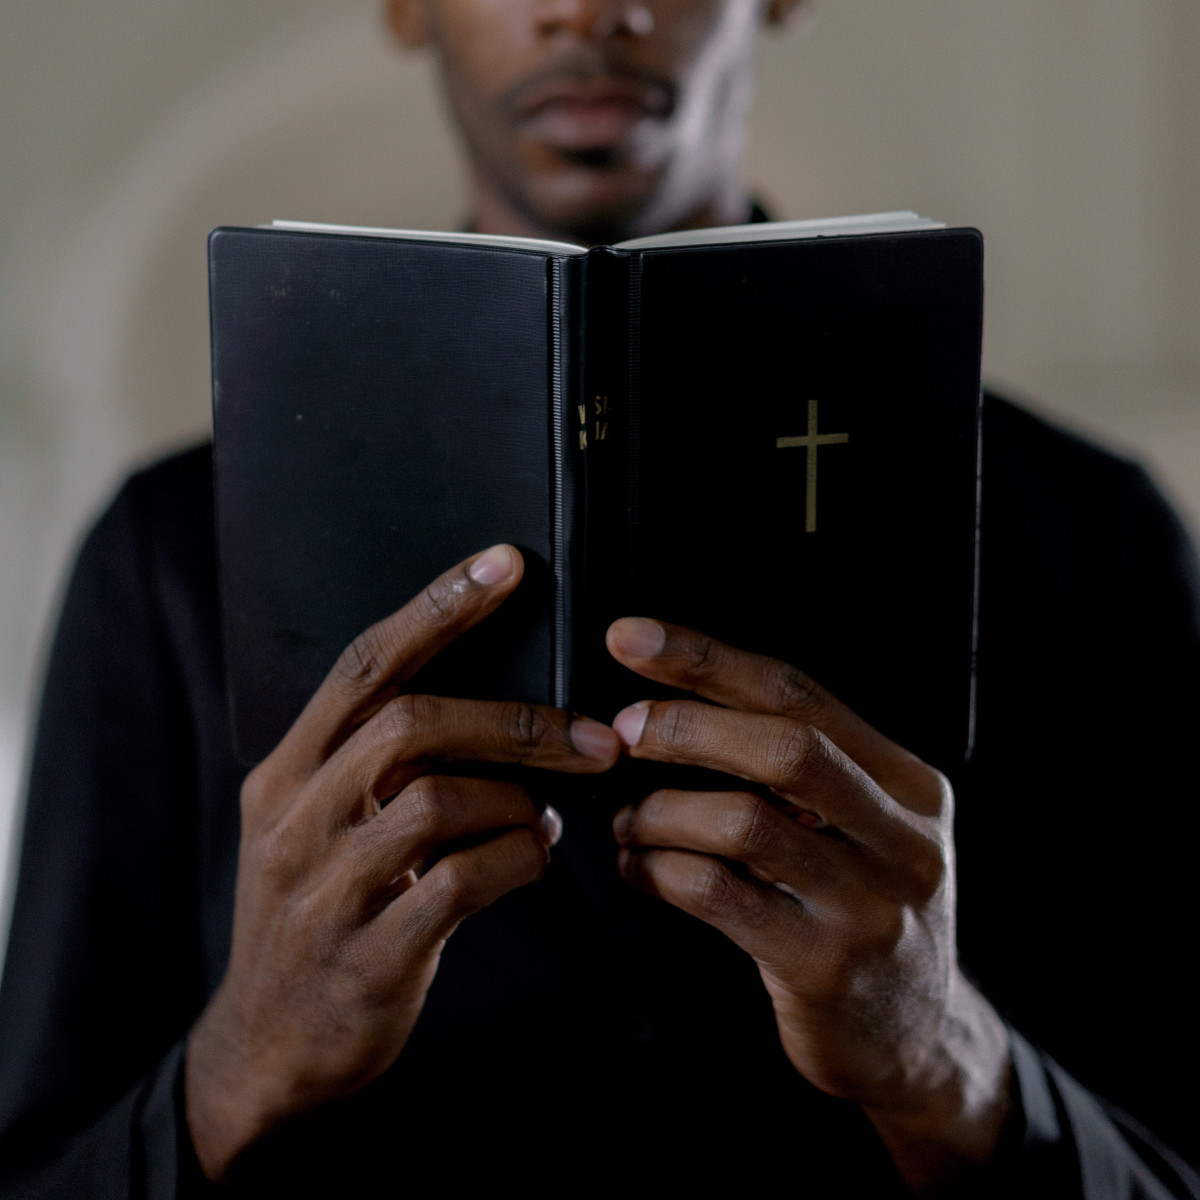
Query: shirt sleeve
[1076,1144]
[101,978]
[1076,825]
[1071,1145]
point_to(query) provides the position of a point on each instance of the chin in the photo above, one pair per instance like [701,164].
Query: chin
[593,200]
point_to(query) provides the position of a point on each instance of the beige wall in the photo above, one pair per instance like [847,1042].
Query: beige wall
[1064,129]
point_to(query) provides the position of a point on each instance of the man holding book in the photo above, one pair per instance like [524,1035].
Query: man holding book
[305,1010]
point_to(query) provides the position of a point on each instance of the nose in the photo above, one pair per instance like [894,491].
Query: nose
[600,19]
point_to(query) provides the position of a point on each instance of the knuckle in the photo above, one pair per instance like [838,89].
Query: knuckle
[887,928]
[404,717]
[796,694]
[922,788]
[712,890]
[929,866]
[939,797]
[257,789]
[425,805]
[365,661]
[455,886]
[748,828]
[802,755]
[436,605]
[701,656]
[675,724]
[526,727]
[279,852]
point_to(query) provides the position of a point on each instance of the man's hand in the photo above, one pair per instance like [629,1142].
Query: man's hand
[834,869]
[337,930]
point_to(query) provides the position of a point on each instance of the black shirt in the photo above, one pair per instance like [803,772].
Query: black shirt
[558,1044]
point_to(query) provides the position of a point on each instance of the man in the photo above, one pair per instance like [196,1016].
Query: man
[362,988]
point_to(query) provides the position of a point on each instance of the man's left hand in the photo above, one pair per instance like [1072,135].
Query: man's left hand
[834,869]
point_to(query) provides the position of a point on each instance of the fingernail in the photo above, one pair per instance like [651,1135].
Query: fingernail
[638,637]
[593,740]
[492,566]
[552,825]
[630,722]
[622,823]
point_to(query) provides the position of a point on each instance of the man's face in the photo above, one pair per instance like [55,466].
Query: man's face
[593,118]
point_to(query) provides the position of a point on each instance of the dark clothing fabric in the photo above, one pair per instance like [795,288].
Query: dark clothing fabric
[575,1028]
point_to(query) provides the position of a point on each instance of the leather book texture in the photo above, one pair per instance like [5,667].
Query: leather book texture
[381,411]
[805,461]
[775,442]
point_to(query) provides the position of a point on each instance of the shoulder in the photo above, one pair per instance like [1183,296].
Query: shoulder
[1083,564]
[1063,496]
[1042,451]
[175,490]
[145,573]
[162,511]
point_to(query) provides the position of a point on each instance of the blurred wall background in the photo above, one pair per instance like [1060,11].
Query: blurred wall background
[1066,131]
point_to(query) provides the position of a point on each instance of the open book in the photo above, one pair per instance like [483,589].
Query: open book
[766,432]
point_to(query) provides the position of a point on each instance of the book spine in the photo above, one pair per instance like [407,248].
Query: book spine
[567,502]
[601,429]
[631,315]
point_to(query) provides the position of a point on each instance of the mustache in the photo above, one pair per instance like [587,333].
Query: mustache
[584,71]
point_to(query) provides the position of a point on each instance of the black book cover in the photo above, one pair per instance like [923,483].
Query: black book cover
[772,441]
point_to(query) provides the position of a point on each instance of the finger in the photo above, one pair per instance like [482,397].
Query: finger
[799,763]
[416,923]
[753,683]
[432,813]
[412,732]
[746,829]
[764,921]
[394,649]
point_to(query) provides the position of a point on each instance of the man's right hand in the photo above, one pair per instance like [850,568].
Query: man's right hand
[337,931]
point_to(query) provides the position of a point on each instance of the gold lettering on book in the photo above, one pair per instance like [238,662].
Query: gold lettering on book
[811,441]
[600,405]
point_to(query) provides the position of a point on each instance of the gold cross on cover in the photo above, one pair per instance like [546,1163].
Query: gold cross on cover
[811,440]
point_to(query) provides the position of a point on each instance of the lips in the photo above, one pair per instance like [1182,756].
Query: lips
[568,111]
